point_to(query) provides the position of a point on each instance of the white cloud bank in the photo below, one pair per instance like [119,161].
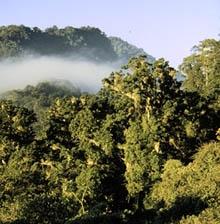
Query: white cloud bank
[30,70]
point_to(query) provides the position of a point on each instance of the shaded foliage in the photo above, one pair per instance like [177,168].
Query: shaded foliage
[81,43]
[40,97]
[125,51]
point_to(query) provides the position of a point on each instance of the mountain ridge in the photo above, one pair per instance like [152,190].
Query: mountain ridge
[86,42]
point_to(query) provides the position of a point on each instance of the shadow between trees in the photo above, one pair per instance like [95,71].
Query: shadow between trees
[183,206]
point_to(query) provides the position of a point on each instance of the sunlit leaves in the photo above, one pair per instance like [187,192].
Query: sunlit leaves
[202,68]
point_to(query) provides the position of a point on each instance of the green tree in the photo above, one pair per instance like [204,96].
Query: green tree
[199,179]
[125,51]
[39,98]
[164,121]
[105,155]
[202,68]
[16,123]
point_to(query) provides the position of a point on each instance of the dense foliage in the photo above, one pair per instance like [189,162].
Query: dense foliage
[202,68]
[194,188]
[81,43]
[40,97]
[141,150]
[125,51]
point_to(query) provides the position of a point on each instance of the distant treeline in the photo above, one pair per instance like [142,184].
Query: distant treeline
[86,42]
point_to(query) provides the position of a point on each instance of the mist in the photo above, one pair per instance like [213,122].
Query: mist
[30,70]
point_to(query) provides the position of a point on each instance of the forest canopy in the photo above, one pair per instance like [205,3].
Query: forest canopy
[143,149]
[82,43]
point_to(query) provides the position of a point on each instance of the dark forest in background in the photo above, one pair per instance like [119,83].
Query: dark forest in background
[85,42]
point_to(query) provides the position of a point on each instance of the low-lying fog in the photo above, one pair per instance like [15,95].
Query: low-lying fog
[29,70]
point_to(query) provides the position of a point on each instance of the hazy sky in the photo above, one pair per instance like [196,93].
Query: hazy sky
[163,28]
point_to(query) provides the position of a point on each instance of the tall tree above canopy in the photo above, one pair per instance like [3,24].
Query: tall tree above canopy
[164,121]
[202,68]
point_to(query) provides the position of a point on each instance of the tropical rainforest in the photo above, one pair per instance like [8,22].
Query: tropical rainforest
[144,149]
[85,42]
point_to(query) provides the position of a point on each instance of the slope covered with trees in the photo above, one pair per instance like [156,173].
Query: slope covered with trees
[125,51]
[80,43]
[132,153]
[39,98]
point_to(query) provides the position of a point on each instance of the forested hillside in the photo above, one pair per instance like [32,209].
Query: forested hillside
[125,51]
[144,149]
[39,98]
[80,43]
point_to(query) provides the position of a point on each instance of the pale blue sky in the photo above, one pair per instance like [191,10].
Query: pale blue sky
[163,28]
